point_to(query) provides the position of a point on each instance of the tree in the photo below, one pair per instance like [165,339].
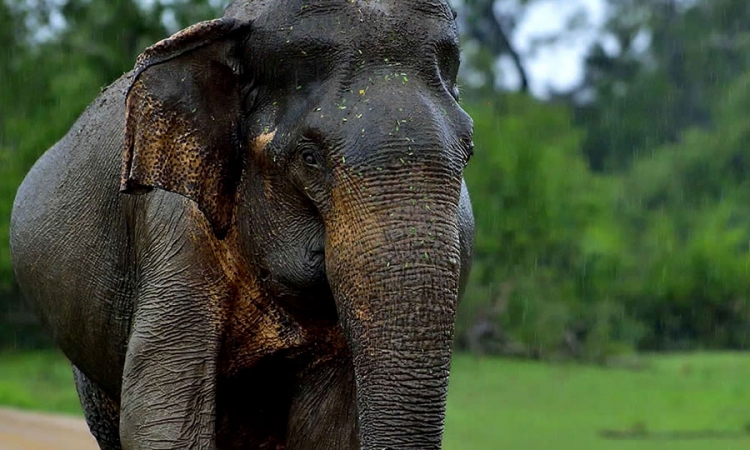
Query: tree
[672,59]
[490,33]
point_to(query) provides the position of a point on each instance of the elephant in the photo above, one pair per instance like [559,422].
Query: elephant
[259,236]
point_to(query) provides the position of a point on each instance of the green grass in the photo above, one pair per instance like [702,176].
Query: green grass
[516,405]
[499,404]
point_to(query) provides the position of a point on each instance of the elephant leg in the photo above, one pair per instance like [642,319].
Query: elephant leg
[101,412]
[169,380]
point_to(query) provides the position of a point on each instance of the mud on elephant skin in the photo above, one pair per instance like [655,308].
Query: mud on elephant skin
[258,238]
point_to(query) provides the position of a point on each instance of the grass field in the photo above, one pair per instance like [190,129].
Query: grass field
[501,404]
[497,404]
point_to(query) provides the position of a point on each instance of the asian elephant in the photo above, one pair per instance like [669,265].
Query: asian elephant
[257,238]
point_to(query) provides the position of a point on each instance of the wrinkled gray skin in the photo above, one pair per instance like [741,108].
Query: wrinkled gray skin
[265,247]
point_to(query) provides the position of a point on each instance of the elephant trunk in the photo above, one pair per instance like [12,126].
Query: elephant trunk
[393,263]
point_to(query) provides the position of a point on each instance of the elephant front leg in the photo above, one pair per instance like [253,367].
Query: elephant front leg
[169,379]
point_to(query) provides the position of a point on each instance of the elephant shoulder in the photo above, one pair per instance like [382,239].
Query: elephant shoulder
[70,241]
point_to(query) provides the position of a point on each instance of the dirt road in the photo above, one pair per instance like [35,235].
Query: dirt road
[33,431]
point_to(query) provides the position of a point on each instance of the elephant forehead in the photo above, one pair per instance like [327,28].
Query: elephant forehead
[432,8]
[341,23]
[250,10]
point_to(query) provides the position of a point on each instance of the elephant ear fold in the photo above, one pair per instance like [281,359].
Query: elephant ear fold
[182,127]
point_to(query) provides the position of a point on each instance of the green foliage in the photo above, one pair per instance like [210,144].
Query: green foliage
[687,212]
[9,179]
[38,381]
[650,254]
[542,227]
[656,258]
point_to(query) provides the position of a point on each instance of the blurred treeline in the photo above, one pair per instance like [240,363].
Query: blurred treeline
[613,216]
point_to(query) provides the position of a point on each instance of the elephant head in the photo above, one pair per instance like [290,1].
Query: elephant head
[326,135]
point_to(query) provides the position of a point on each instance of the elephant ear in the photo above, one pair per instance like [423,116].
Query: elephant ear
[182,126]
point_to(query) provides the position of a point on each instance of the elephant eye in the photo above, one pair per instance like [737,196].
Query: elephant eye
[308,157]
